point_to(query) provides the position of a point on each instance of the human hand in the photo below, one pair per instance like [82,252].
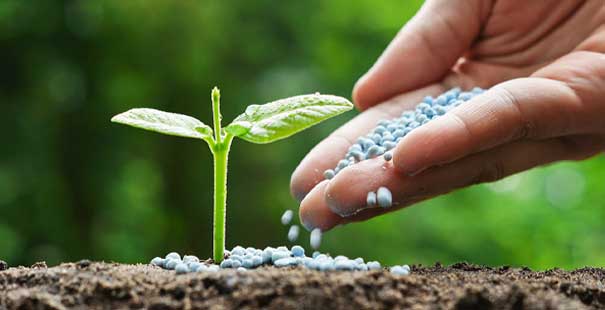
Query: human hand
[545,64]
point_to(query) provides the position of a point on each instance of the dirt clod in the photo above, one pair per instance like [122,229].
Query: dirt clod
[39,265]
[83,263]
[460,286]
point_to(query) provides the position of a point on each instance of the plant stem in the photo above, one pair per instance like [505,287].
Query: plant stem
[221,156]
[216,114]
[220,152]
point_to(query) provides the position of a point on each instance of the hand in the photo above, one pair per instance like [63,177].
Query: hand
[545,64]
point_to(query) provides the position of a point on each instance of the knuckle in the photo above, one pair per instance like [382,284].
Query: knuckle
[463,124]
[526,128]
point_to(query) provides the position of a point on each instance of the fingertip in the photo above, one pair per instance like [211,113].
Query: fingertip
[299,186]
[360,92]
[347,194]
[314,213]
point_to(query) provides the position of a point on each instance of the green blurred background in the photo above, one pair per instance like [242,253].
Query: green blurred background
[73,185]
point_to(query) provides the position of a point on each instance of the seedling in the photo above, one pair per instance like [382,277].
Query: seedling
[259,124]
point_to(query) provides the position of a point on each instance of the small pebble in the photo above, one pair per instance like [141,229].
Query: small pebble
[247,263]
[158,261]
[195,266]
[173,255]
[358,156]
[388,156]
[227,263]
[399,270]
[267,253]
[84,263]
[371,199]
[465,96]
[441,100]
[239,258]
[238,250]
[236,264]
[207,268]
[277,255]
[171,263]
[340,257]
[362,267]
[373,265]
[257,261]
[190,259]
[287,261]
[373,151]
[310,263]
[328,174]
[293,233]
[298,251]
[384,197]
[344,264]
[321,257]
[326,265]
[343,164]
[181,268]
[315,238]
[286,218]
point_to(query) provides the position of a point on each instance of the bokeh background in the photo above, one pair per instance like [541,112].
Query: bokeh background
[73,185]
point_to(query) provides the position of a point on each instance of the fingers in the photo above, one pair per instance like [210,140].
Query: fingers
[343,199]
[529,108]
[423,51]
[328,152]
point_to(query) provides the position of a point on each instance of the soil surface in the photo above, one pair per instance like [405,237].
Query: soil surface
[92,285]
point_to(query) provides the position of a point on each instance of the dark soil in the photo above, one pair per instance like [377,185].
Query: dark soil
[92,285]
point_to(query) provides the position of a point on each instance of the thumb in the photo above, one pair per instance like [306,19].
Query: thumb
[423,51]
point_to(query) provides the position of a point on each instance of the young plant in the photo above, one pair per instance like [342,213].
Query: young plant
[259,124]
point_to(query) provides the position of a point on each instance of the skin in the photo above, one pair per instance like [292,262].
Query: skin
[544,64]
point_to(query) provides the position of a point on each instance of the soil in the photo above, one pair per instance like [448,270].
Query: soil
[95,285]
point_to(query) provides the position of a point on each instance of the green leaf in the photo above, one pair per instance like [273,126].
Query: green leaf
[282,118]
[164,122]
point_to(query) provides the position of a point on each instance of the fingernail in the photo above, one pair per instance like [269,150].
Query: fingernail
[324,221]
[307,224]
[336,207]
[299,196]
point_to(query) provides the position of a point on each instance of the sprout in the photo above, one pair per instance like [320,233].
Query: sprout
[258,124]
